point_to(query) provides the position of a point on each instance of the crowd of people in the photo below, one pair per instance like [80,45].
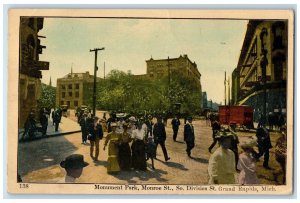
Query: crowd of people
[226,161]
[132,140]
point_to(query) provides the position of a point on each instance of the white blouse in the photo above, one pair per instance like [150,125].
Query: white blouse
[138,134]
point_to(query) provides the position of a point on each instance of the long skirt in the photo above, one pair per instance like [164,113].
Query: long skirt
[138,155]
[124,156]
[113,163]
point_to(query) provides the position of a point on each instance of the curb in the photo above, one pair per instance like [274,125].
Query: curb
[48,136]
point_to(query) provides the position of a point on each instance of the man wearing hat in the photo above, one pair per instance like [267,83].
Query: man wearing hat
[73,165]
[84,123]
[189,136]
[159,133]
[221,166]
[95,135]
[175,125]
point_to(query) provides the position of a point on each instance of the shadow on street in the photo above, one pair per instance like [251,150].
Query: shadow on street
[43,153]
[204,161]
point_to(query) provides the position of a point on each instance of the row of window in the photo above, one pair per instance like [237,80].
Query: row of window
[63,94]
[70,86]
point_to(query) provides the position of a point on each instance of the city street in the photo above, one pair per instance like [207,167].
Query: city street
[39,160]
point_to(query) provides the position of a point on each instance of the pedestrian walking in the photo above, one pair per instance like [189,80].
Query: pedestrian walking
[113,140]
[84,124]
[247,163]
[138,148]
[149,125]
[44,121]
[56,119]
[159,133]
[73,165]
[175,126]
[221,166]
[124,149]
[264,145]
[29,126]
[95,135]
[216,127]
[150,150]
[189,136]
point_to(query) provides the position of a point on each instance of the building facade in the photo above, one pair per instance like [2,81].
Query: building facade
[75,89]
[261,71]
[182,65]
[30,67]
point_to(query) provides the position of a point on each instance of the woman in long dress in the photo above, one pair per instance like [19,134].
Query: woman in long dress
[124,149]
[247,164]
[221,166]
[113,139]
[138,148]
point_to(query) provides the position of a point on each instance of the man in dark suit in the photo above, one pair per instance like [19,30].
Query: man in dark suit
[159,133]
[175,125]
[56,119]
[189,136]
[84,123]
[216,127]
[264,145]
[95,135]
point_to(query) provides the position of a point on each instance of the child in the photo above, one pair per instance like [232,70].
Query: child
[150,150]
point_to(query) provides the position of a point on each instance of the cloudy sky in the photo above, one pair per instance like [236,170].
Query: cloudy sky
[213,44]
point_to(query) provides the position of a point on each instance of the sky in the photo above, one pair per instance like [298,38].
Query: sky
[213,44]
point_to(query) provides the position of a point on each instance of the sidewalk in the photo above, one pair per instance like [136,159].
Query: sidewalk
[66,126]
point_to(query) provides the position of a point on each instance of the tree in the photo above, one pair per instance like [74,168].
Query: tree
[122,91]
[48,96]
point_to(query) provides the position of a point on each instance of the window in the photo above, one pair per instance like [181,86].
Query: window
[76,94]
[63,87]
[77,86]
[63,94]
[61,102]
[70,86]
[75,103]
[68,103]
[70,94]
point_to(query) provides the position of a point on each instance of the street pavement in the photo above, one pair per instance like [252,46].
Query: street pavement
[39,160]
[66,126]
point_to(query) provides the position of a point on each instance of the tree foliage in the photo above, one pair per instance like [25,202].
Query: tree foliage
[48,95]
[121,91]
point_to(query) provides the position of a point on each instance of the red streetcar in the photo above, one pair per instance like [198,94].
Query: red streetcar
[236,116]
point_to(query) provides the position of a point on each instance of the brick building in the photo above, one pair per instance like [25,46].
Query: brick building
[263,58]
[75,89]
[182,65]
[30,66]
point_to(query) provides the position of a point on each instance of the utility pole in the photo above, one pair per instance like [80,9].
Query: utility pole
[95,76]
[228,91]
[225,88]
[169,75]
[104,70]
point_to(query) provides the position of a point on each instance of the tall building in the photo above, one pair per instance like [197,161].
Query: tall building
[204,100]
[182,65]
[159,68]
[75,89]
[262,67]
[30,67]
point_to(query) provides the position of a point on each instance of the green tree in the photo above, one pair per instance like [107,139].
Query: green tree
[48,96]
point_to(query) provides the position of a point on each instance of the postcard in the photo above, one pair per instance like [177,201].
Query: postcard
[141,101]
